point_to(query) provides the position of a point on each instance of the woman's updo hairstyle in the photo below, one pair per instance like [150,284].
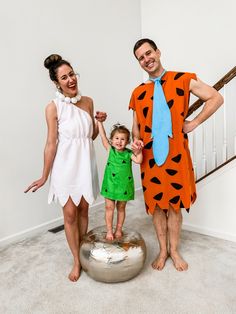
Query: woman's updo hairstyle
[52,63]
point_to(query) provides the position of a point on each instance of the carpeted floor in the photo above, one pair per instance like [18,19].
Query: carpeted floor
[33,276]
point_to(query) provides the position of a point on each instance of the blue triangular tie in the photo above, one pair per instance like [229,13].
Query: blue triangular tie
[161,123]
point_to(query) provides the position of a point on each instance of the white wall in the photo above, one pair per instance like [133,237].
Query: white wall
[194,36]
[198,36]
[97,37]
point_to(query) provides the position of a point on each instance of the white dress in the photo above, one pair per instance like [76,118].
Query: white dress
[74,172]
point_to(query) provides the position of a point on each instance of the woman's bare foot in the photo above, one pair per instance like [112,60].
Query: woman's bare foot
[178,261]
[75,272]
[118,233]
[160,261]
[109,235]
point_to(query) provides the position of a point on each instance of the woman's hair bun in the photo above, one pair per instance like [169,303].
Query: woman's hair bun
[52,60]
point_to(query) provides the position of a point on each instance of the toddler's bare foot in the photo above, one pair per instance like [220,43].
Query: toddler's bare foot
[75,272]
[109,235]
[178,261]
[160,261]
[118,233]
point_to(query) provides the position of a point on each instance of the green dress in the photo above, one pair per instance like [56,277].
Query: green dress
[118,181]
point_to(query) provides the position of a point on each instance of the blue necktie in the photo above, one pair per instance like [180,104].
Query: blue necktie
[161,123]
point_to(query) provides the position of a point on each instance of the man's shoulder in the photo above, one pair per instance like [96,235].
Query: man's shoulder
[175,75]
[139,88]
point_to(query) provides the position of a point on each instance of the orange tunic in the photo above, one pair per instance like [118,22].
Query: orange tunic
[171,184]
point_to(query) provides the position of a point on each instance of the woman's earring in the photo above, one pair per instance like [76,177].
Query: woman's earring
[58,88]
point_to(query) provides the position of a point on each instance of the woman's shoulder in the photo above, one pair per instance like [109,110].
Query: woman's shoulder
[51,108]
[87,99]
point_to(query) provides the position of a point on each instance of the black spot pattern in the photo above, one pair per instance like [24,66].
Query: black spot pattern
[129,178]
[123,162]
[162,82]
[170,103]
[182,114]
[175,199]
[144,188]
[147,129]
[113,174]
[125,193]
[181,205]
[105,190]
[151,162]
[142,175]
[108,163]
[155,180]
[178,75]
[177,158]
[177,186]
[180,91]
[148,145]
[158,196]
[171,172]
[186,136]
[145,111]
[142,95]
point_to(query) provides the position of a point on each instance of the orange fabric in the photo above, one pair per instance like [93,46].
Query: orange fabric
[171,184]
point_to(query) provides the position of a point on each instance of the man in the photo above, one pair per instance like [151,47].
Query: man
[166,171]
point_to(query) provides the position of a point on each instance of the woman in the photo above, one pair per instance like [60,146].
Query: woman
[69,154]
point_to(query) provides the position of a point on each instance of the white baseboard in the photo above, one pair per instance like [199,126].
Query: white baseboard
[28,233]
[210,232]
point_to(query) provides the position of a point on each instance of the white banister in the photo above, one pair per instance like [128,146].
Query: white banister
[224,148]
[204,161]
[214,154]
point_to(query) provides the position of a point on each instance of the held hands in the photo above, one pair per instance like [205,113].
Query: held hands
[137,146]
[100,116]
[36,185]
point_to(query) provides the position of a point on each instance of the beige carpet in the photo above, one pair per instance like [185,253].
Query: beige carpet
[33,277]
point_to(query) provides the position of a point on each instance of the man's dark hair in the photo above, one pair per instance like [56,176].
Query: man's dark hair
[140,42]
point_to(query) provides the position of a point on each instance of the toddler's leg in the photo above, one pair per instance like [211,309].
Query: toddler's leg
[120,205]
[110,207]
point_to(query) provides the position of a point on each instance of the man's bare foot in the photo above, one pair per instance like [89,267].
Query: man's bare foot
[109,235]
[118,233]
[178,261]
[75,272]
[160,261]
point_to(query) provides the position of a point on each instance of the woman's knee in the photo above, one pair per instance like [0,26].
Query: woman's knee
[70,212]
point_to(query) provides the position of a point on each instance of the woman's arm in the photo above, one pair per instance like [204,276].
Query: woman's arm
[50,147]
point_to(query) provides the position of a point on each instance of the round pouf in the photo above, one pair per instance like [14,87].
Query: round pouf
[112,261]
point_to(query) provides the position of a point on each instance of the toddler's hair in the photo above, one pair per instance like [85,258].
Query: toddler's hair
[120,128]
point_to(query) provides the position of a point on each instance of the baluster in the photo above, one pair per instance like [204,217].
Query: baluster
[214,155]
[194,154]
[224,152]
[204,161]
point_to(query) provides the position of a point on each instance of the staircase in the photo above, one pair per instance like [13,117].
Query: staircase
[213,150]
[213,143]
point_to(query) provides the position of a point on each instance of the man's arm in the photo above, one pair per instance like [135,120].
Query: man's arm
[137,144]
[213,100]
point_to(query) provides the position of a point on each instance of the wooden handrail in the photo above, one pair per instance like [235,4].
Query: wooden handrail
[217,168]
[228,77]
